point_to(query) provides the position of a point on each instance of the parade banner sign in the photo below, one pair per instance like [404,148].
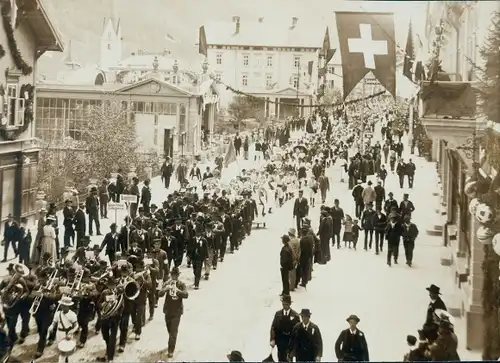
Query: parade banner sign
[367,44]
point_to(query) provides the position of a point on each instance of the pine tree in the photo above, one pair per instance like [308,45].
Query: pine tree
[489,102]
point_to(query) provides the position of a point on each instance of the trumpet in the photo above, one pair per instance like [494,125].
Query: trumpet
[171,287]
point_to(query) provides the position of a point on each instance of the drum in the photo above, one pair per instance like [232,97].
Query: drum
[66,347]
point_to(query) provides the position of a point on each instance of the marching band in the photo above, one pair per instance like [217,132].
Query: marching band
[67,295]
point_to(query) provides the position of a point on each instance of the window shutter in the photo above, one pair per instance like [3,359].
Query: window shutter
[20,112]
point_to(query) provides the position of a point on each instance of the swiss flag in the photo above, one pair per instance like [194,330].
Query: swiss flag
[367,44]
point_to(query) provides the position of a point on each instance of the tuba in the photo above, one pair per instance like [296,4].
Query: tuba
[131,288]
[15,290]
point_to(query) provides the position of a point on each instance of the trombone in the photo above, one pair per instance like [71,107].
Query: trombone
[39,296]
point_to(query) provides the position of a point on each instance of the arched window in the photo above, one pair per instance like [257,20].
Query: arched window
[99,80]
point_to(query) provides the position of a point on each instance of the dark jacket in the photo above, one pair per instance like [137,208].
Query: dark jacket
[10,232]
[286,258]
[325,228]
[379,222]
[393,233]
[337,216]
[352,347]
[389,204]
[282,327]
[174,305]
[406,207]
[306,345]
[79,221]
[92,205]
[300,208]
[380,192]
[367,219]
[110,243]
[410,232]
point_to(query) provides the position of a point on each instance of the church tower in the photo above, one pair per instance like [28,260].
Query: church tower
[111,39]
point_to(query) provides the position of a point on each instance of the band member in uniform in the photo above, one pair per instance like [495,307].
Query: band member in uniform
[86,297]
[282,326]
[173,308]
[110,242]
[109,324]
[65,319]
[199,254]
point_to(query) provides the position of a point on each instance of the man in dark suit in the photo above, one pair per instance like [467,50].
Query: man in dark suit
[337,214]
[410,172]
[286,264]
[92,207]
[300,209]
[379,223]
[390,203]
[410,234]
[10,236]
[401,171]
[110,243]
[380,194]
[406,207]
[69,232]
[325,232]
[431,327]
[80,224]
[351,345]
[306,343]
[306,255]
[282,326]
[393,232]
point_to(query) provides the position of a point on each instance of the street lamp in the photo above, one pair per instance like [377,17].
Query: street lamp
[470,147]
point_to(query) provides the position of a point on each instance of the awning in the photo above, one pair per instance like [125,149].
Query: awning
[448,99]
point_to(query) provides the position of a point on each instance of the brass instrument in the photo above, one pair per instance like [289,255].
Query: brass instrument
[171,288]
[47,287]
[131,288]
[73,287]
[14,291]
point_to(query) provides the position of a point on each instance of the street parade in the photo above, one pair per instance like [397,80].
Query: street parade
[303,189]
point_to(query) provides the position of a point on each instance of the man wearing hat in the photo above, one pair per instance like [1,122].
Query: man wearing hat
[294,244]
[10,235]
[351,345]
[300,209]
[430,326]
[69,231]
[65,320]
[110,243]
[357,195]
[286,264]
[282,326]
[80,224]
[175,292]
[390,203]
[306,343]
[92,207]
[325,233]
[406,207]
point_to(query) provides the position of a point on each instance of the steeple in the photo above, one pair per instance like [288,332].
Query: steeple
[111,38]
[68,58]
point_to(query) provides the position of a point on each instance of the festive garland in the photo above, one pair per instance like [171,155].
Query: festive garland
[28,93]
[20,63]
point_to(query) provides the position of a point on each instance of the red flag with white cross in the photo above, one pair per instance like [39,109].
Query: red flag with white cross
[367,44]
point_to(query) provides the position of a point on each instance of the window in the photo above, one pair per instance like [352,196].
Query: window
[245,60]
[269,80]
[218,76]
[331,70]
[296,62]
[258,61]
[269,60]
[218,58]
[295,81]
[244,80]
[331,83]
[28,189]
[109,46]
[15,106]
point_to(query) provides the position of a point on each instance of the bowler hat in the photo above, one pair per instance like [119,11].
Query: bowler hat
[235,356]
[353,317]
[305,312]
[287,299]
[434,289]
[292,231]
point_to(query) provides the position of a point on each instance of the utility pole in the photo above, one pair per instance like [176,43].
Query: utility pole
[362,117]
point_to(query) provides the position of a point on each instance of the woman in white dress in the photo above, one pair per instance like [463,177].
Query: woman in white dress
[49,238]
[312,185]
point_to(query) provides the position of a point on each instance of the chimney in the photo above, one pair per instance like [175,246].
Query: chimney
[294,21]
[236,20]
[261,19]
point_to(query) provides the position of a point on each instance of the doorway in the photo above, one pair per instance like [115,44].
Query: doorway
[168,143]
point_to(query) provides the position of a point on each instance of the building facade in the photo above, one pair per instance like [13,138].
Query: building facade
[30,30]
[267,60]
[448,111]
[169,120]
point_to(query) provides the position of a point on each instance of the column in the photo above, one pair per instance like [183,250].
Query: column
[18,186]
[302,107]
[265,107]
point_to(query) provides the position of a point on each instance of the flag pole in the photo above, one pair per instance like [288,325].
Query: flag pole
[362,117]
